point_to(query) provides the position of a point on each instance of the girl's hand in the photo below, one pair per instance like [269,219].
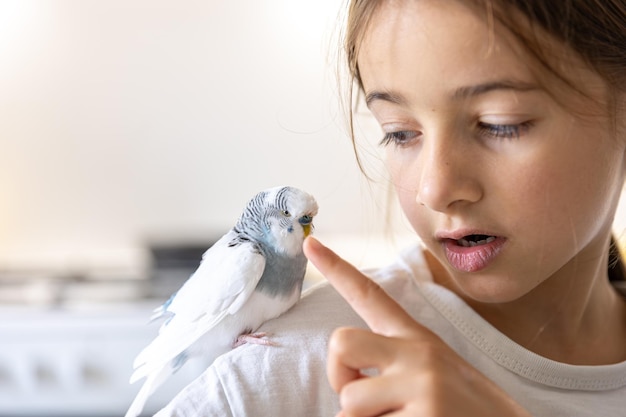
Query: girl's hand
[418,374]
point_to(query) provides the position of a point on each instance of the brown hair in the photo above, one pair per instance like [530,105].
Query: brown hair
[594,29]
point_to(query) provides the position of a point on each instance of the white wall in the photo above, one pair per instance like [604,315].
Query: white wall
[124,120]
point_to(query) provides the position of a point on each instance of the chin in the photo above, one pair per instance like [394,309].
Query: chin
[489,289]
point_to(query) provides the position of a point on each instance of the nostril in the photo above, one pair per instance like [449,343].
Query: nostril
[306,219]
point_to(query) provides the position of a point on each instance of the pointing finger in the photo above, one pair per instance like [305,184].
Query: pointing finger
[381,313]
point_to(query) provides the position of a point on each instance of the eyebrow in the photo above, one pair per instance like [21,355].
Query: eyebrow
[476,90]
[384,96]
[459,93]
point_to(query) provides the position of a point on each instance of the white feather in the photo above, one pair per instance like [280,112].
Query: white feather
[222,283]
[152,382]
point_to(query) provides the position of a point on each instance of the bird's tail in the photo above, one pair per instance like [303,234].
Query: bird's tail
[153,381]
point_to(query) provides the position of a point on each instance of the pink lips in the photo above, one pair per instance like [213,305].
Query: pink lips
[474,257]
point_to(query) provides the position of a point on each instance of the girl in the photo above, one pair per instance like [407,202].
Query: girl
[505,137]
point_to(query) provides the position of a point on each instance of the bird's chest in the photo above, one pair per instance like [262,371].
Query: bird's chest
[282,275]
[259,309]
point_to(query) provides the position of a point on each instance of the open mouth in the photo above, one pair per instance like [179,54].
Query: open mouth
[473,252]
[475,240]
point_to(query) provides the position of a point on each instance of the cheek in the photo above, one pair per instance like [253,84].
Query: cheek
[405,184]
[404,170]
[403,178]
[564,204]
[415,214]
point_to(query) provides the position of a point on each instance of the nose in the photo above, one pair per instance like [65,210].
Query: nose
[449,176]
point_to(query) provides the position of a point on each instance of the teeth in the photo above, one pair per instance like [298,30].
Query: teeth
[466,243]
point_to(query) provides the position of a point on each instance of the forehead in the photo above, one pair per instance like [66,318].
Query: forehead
[444,40]
[447,44]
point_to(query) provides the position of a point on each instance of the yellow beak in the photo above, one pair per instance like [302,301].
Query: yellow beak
[307,229]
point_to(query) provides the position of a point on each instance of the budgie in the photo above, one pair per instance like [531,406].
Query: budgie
[252,274]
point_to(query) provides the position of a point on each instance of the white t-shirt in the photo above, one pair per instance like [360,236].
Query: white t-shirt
[289,379]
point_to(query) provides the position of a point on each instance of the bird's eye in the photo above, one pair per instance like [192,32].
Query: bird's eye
[286,213]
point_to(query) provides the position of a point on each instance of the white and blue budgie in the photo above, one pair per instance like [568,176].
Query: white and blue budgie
[252,274]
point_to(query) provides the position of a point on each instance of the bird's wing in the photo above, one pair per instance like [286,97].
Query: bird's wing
[225,279]
[227,275]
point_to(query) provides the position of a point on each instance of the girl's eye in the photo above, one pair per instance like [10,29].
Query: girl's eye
[400,138]
[496,131]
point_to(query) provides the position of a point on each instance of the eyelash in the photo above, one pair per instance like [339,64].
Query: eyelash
[399,138]
[502,132]
[491,131]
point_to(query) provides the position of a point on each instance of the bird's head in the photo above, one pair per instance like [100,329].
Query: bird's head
[281,217]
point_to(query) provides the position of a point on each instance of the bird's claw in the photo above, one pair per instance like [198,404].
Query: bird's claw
[254,338]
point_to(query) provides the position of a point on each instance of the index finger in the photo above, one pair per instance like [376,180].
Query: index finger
[370,301]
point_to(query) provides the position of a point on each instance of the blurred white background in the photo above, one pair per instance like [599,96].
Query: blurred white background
[121,121]
[125,123]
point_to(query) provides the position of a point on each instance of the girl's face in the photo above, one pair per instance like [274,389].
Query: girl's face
[506,185]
